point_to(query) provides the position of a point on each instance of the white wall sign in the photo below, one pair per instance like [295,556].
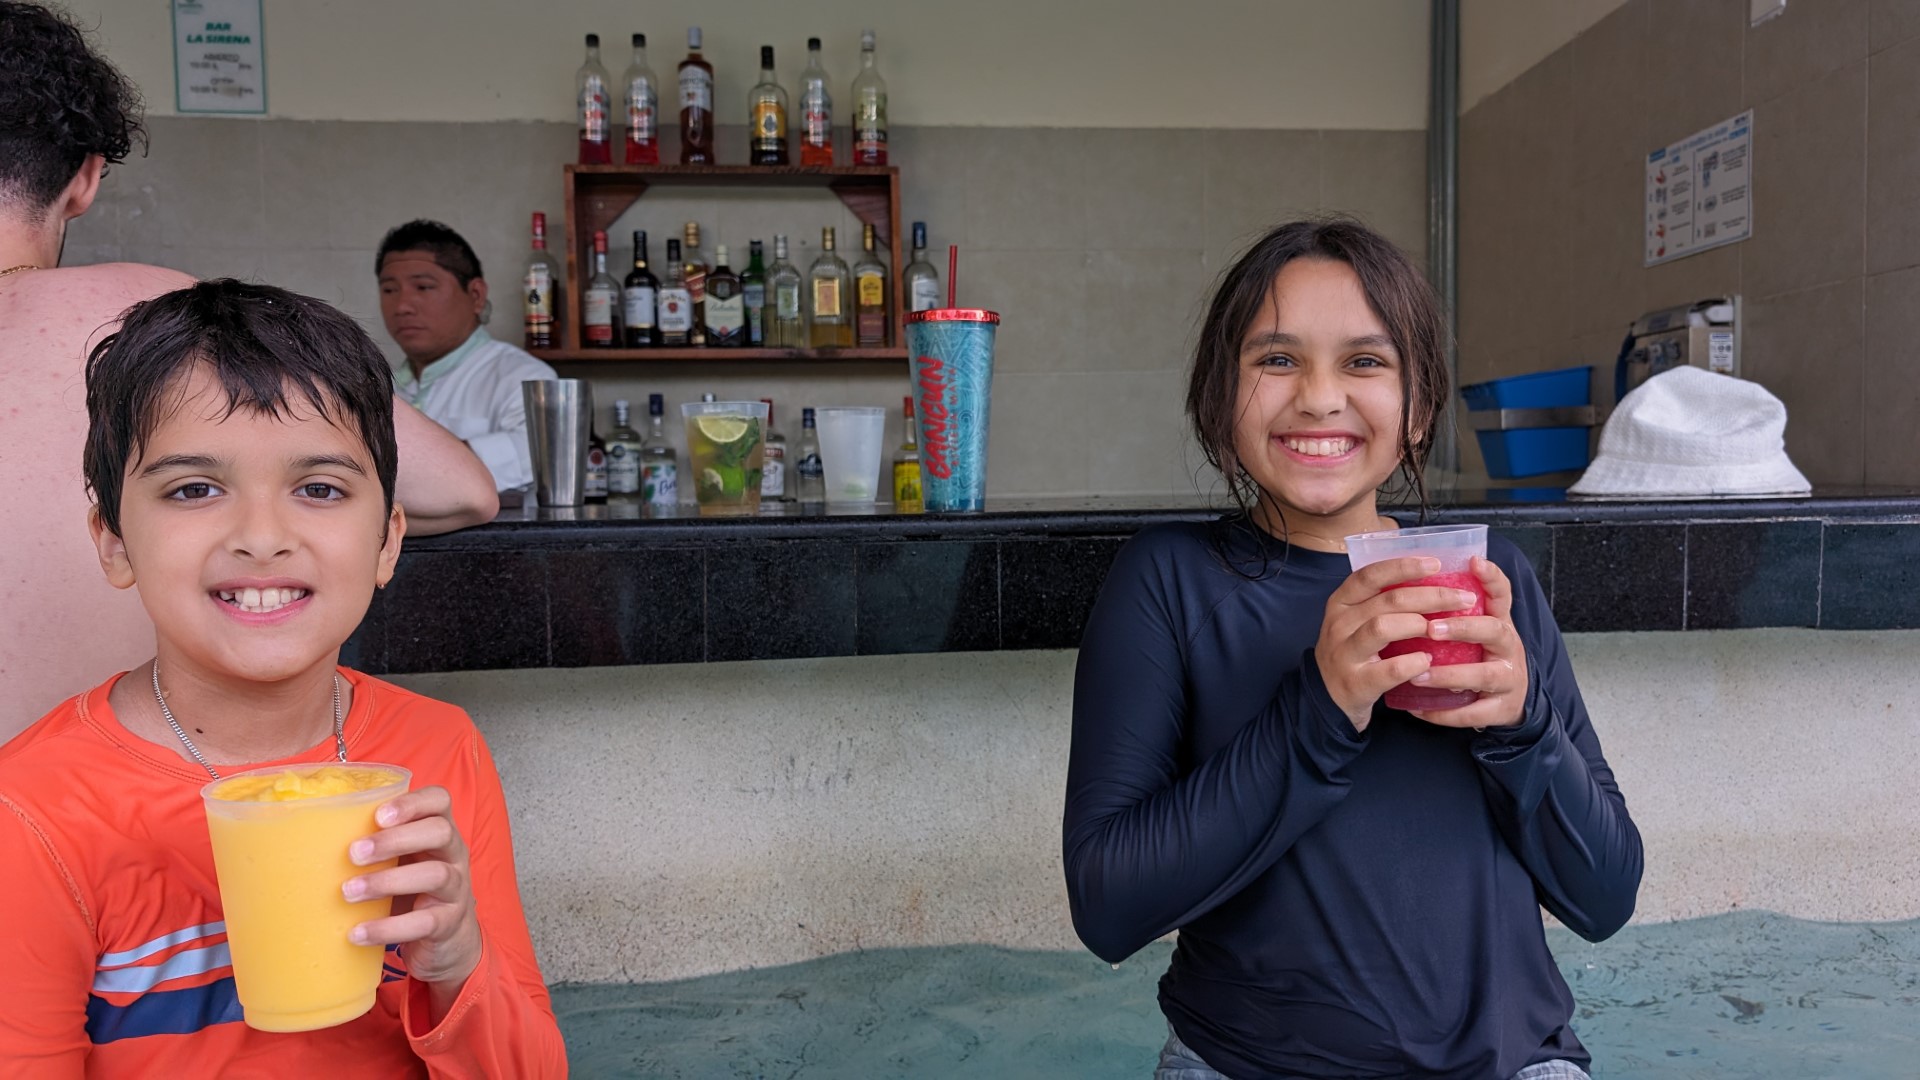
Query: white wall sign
[1699,191]
[219,56]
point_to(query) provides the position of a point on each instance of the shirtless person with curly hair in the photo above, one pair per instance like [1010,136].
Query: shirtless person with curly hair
[66,114]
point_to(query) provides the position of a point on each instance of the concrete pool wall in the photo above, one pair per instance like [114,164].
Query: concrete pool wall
[681,820]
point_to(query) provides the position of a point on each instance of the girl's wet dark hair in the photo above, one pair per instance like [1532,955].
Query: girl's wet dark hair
[266,347]
[1398,293]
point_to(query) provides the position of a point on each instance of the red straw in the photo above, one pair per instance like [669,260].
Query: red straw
[953,271]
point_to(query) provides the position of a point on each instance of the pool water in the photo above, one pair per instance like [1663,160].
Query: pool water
[1744,995]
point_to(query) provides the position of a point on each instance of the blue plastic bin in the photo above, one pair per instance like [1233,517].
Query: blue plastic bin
[1540,390]
[1517,452]
[1533,451]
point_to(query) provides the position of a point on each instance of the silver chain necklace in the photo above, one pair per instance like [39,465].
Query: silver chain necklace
[339,723]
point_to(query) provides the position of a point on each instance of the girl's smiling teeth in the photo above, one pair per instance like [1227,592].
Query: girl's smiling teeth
[1319,447]
[261,601]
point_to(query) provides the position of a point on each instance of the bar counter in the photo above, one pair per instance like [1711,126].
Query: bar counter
[602,585]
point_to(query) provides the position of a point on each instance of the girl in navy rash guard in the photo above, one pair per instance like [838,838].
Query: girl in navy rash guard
[1357,889]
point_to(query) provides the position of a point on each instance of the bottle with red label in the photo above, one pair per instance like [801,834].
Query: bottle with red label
[600,303]
[540,289]
[696,104]
[869,108]
[816,110]
[594,107]
[642,98]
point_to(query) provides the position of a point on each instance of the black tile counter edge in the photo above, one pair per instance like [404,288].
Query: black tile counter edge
[597,594]
[593,526]
[1895,508]
[578,535]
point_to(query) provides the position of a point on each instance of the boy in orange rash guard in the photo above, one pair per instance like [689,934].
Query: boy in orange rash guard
[241,457]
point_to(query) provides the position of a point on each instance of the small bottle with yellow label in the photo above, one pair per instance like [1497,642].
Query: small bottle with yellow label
[870,294]
[906,468]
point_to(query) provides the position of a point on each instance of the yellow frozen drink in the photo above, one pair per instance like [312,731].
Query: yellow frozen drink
[280,839]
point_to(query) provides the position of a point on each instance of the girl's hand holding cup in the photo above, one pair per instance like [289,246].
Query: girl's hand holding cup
[1472,651]
[1500,679]
[1365,615]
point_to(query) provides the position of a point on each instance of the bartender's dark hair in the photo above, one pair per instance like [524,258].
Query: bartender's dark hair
[59,102]
[449,249]
[1399,294]
[267,348]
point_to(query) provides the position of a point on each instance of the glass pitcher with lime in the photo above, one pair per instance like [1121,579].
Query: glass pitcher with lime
[726,451]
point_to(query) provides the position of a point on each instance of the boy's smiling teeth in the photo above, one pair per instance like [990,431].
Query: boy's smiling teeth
[260,601]
[1319,447]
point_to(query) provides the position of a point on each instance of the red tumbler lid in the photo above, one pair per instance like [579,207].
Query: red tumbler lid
[955,314]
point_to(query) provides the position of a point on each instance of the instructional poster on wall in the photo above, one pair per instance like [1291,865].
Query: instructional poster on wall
[1699,191]
[219,56]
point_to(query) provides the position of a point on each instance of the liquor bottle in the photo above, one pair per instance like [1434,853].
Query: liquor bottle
[598,316]
[816,111]
[696,104]
[922,281]
[591,89]
[659,486]
[596,487]
[640,298]
[675,301]
[869,108]
[829,306]
[753,295]
[542,288]
[906,466]
[726,308]
[773,474]
[786,318]
[810,477]
[623,455]
[767,116]
[695,265]
[642,97]
[869,294]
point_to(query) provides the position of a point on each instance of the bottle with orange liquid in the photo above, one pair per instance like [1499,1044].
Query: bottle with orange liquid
[696,104]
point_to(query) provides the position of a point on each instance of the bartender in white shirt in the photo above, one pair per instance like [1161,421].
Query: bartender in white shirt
[434,301]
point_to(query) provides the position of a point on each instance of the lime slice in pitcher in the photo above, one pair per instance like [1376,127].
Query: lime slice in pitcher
[721,430]
[726,481]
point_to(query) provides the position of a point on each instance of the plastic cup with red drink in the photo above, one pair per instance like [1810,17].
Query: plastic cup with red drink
[1456,547]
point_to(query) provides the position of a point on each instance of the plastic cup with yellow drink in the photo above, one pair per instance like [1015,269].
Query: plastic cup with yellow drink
[726,453]
[280,838]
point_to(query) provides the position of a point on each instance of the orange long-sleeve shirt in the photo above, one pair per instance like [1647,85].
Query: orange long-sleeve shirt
[113,956]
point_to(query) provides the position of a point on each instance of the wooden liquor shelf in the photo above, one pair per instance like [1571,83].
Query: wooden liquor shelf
[597,195]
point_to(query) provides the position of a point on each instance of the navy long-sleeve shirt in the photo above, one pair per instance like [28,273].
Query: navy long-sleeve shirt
[1349,904]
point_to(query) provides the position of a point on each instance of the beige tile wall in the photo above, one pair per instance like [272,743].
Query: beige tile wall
[747,859]
[1097,246]
[1552,181]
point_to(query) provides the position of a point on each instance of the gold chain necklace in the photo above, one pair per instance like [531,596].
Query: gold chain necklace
[17,269]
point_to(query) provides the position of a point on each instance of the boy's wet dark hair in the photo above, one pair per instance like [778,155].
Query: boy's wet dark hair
[1399,294]
[449,249]
[59,102]
[267,348]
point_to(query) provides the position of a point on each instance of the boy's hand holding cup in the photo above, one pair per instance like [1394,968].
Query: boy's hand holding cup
[432,889]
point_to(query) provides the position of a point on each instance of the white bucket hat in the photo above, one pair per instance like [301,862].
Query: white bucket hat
[1690,433]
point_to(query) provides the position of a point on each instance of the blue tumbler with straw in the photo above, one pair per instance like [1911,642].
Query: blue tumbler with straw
[952,350]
